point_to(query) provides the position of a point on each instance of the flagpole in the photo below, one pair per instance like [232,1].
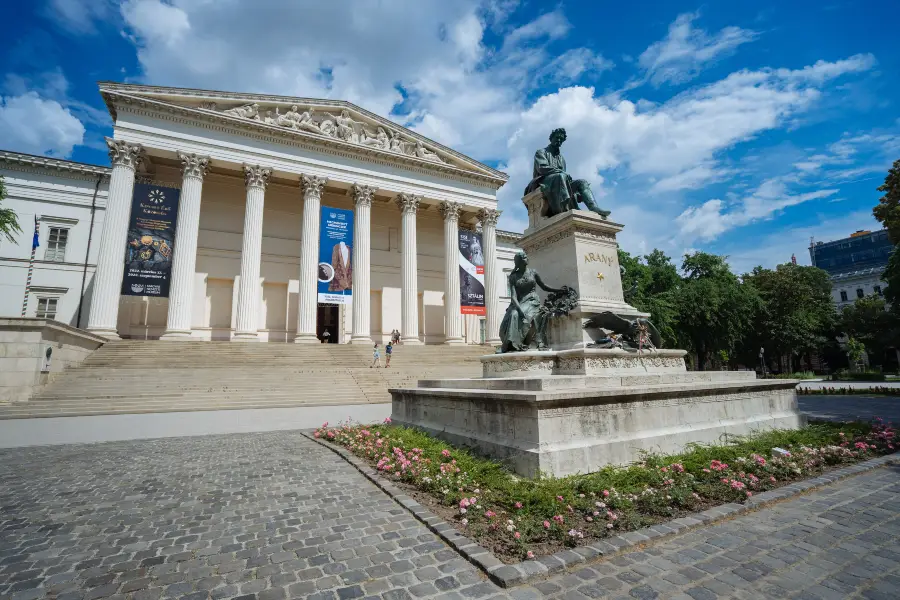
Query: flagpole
[34,245]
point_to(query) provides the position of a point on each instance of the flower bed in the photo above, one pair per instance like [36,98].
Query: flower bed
[877,390]
[520,518]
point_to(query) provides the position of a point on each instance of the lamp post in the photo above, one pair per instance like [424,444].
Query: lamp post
[762,362]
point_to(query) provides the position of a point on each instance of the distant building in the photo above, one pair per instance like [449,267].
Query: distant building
[855,264]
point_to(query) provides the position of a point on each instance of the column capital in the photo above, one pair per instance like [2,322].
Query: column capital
[362,194]
[193,165]
[124,154]
[256,176]
[408,203]
[450,210]
[312,185]
[489,216]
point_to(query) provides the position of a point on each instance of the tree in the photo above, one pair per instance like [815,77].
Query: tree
[797,312]
[9,223]
[649,286]
[888,213]
[867,321]
[714,311]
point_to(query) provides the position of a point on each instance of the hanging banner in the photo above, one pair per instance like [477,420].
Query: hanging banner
[471,274]
[151,240]
[335,272]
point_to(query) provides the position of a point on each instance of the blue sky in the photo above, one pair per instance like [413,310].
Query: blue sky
[741,128]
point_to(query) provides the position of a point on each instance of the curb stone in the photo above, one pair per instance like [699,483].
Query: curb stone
[509,575]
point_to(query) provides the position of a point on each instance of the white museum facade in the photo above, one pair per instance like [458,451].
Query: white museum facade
[254,174]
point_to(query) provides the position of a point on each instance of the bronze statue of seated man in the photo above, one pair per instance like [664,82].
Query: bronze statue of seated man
[561,192]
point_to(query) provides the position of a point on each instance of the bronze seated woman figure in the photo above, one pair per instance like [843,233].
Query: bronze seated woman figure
[525,321]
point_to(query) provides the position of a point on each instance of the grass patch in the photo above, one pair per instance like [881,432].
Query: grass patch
[520,518]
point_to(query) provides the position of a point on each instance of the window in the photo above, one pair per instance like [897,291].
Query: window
[46,308]
[843,296]
[56,244]
[860,293]
[877,289]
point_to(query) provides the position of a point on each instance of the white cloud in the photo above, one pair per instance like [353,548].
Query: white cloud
[712,218]
[685,51]
[80,16]
[430,65]
[31,124]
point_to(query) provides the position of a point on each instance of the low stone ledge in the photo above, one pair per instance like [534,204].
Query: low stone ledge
[508,575]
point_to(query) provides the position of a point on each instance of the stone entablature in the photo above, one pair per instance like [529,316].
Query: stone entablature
[29,162]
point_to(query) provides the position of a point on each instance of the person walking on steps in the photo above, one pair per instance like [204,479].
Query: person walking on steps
[376,356]
[388,350]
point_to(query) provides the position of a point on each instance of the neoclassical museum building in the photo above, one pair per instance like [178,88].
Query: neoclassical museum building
[228,216]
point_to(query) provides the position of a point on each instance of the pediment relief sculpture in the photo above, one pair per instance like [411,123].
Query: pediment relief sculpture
[339,126]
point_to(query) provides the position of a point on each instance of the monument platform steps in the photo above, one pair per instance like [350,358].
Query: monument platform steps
[152,376]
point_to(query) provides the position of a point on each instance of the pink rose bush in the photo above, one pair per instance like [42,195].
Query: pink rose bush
[520,518]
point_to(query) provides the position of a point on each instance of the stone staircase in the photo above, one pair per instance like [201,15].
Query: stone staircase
[151,376]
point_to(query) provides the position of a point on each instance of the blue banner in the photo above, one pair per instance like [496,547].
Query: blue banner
[151,240]
[335,273]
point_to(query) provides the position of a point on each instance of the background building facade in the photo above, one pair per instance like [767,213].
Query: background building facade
[249,188]
[855,264]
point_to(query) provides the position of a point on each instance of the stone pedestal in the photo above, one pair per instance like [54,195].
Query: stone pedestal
[575,409]
[577,248]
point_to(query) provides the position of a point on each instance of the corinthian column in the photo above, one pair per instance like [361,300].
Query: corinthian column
[409,204]
[452,324]
[488,218]
[184,259]
[110,265]
[256,178]
[309,260]
[362,259]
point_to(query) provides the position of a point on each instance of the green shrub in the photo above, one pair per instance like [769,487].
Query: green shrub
[844,375]
[800,375]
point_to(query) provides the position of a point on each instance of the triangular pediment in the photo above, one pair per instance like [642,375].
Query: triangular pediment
[328,122]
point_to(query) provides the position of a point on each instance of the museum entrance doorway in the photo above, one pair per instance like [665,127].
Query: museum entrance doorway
[328,319]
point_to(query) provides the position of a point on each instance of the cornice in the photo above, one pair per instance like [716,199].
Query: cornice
[118,95]
[31,163]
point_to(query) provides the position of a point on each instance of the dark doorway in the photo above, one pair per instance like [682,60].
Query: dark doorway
[327,319]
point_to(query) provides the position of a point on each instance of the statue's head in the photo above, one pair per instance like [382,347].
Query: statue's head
[521,259]
[558,136]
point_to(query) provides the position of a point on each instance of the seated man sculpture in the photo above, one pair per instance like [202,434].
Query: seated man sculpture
[561,192]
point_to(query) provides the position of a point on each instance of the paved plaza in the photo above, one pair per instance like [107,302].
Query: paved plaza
[273,515]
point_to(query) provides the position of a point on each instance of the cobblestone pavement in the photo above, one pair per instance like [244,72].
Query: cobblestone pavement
[844,408]
[272,515]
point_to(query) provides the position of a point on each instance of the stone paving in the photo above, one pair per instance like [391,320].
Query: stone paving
[851,408]
[267,516]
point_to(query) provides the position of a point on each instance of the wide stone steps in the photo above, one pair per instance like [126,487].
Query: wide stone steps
[126,377]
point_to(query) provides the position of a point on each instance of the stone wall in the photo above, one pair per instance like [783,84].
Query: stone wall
[23,347]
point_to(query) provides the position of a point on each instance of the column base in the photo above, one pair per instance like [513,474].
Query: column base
[306,338]
[411,341]
[245,336]
[110,334]
[455,341]
[361,340]
[176,335]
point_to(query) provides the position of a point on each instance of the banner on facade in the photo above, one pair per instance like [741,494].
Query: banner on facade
[335,273]
[151,240]
[471,274]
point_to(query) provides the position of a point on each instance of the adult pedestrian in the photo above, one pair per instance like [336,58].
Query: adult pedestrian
[388,350]
[326,336]
[376,356]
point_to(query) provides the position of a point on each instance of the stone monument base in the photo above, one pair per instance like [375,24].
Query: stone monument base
[562,413]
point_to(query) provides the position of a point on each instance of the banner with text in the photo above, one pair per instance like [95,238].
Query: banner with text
[151,240]
[335,273]
[471,274]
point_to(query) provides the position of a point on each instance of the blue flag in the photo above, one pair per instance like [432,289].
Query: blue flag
[35,242]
